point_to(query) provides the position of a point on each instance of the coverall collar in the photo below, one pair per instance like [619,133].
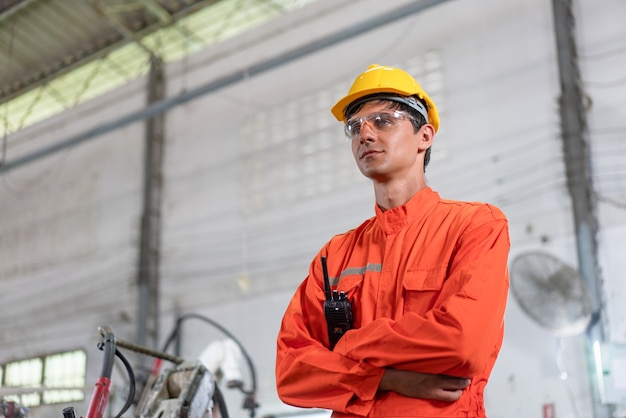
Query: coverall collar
[393,220]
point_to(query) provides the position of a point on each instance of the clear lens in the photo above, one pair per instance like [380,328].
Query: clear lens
[380,122]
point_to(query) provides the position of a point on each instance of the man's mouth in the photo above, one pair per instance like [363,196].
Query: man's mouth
[368,153]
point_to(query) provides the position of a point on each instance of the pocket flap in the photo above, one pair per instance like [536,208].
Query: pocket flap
[347,283]
[425,279]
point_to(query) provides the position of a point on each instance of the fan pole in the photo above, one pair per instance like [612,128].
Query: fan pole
[573,105]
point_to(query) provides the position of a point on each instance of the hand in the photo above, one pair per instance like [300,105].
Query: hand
[423,385]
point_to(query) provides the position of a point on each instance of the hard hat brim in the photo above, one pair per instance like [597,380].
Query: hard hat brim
[410,101]
[338,110]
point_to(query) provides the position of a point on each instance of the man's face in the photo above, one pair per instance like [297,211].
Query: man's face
[386,154]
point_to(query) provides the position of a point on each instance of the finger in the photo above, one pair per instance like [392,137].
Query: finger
[448,377]
[448,395]
[455,383]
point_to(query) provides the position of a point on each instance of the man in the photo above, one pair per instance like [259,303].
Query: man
[426,278]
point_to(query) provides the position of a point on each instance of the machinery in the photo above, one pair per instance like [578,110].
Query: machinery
[10,409]
[187,390]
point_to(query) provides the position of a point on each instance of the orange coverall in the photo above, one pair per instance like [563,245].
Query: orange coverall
[428,284]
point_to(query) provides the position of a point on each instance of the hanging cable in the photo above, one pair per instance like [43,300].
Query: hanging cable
[250,396]
[604,54]
[564,376]
[611,201]
[606,84]
[131,381]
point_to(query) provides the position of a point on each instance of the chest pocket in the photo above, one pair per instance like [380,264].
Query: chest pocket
[350,284]
[422,288]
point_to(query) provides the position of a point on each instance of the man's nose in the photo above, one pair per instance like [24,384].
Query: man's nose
[369,134]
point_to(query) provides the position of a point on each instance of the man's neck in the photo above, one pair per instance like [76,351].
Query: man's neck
[396,193]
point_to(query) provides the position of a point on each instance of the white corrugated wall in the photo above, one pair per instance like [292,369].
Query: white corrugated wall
[258,177]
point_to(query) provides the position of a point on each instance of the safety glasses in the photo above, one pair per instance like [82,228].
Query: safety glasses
[379,121]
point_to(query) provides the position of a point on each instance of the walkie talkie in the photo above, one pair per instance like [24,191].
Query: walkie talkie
[337,310]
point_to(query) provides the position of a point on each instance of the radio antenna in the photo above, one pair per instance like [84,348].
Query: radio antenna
[326,280]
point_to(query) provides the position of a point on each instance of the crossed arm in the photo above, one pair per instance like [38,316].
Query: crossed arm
[423,385]
[431,356]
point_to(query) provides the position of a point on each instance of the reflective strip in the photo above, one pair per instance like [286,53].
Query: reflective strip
[334,281]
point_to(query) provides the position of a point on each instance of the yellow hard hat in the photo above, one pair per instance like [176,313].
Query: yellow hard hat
[398,84]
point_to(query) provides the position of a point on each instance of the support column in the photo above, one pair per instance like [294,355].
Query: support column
[577,157]
[148,276]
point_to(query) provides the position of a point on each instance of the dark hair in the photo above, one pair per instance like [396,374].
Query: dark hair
[417,121]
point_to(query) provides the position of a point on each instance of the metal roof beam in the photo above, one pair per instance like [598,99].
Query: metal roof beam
[282,59]
[157,10]
[11,93]
[7,13]
[116,24]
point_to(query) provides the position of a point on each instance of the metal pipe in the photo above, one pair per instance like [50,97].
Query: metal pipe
[282,59]
[145,350]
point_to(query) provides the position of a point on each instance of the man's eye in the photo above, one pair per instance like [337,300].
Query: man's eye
[382,121]
[354,127]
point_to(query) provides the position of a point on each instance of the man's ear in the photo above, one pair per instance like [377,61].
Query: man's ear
[426,134]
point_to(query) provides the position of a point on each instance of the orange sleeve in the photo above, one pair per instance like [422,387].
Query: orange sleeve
[308,374]
[460,334]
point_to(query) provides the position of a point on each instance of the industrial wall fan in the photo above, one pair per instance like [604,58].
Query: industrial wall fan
[551,293]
